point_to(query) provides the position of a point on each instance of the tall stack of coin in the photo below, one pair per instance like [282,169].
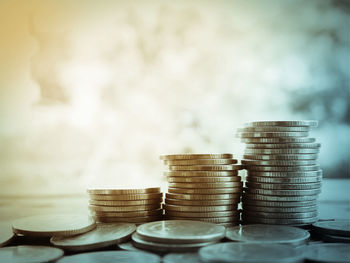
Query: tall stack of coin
[203,187]
[283,178]
[126,205]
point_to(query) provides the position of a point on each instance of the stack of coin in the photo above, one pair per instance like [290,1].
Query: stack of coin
[203,187]
[126,205]
[283,178]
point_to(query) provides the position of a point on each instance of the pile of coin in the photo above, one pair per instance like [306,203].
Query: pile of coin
[203,187]
[283,178]
[332,230]
[126,205]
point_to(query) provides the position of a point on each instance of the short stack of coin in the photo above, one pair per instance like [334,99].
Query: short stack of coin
[203,187]
[126,205]
[283,178]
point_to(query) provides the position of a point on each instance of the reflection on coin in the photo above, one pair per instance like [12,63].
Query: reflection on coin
[112,256]
[180,232]
[284,180]
[272,198]
[280,162]
[279,140]
[277,221]
[124,208]
[281,151]
[196,156]
[201,202]
[307,123]
[6,233]
[280,215]
[283,186]
[272,134]
[285,157]
[125,197]
[216,208]
[279,204]
[136,220]
[216,220]
[204,179]
[336,252]
[181,257]
[207,191]
[30,254]
[200,162]
[286,174]
[304,145]
[335,227]
[124,191]
[201,173]
[53,225]
[284,168]
[206,185]
[232,167]
[128,214]
[202,196]
[103,235]
[202,214]
[274,129]
[279,209]
[235,252]
[283,192]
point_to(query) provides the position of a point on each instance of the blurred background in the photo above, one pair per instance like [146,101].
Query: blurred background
[93,91]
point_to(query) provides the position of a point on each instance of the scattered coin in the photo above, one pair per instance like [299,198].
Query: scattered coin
[335,252]
[136,220]
[287,174]
[308,144]
[281,157]
[280,215]
[202,196]
[125,203]
[308,123]
[125,197]
[6,234]
[294,204]
[279,140]
[202,214]
[196,156]
[283,192]
[128,214]
[273,198]
[206,185]
[188,208]
[133,208]
[267,209]
[201,162]
[103,235]
[232,167]
[53,225]
[272,134]
[30,254]
[181,257]
[207,191]
[337,227]
[284,180]
[279,221]
[124,191]
[280,162]
[284,168]
[206,179]
[283,186]
[274,129]
[282,151]
[201,173]
[201,202]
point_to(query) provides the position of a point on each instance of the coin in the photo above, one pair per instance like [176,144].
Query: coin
[282,151]
[201,202]
[30,254]
[206,185]
[270,234]
[284,180]
[6,234]
[180,232]
[307,123]
[272,134]
[280,215]
[216,220]
[279,221]
[53,225]
[204,179]
[279,140]
[103,235]
[132,208]
[282,157]
[273,198]
[232,167]
[279,162]
[196,156]
[136,220]
[298,209]
[284,168]
[121,191]
[201,214]
[207,191]
[128,246]
[202,196]
[283,192]
[128,214]
[201,173]
[113,256]
[310,144]
[279,203]
[181,257]
[235,252]
[125,203]
[125,197]
[188,208]
[268,186]
[200,162]
[274,129]
[336,252]
[337,227]
[285,174]
[335,239]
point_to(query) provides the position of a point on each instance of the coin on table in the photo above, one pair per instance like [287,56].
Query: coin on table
[283,168]
[273,198]
[295,123]
[284,180]
[122,191]
[201,173]
[53,225]
[208,191]
[128,214]
[196,156]
[280,162]
[279,204]
[132,208]
[272,134]
[125,197]
[125,203]
[188,208]
[206,185]
[202,197]
[286,151]
[283,192]
[235,252]
[274,129]
[299,174]
[201,162]
[298,209]
[128,246]
[279,221]
[279,140]
[335,252]
[112,256]
[232,167]
[285,157]
[136,220]
[206,179]
[30,254]
[103,235]
[6,233]
[216,220]
[284,186]
[181,257]
[285,146]
[202,214]
[339,227]
[279,215]
[201,202]
[180,232]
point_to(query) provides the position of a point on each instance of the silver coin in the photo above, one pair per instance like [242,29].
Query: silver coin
[182,257]
[196,156]
[30,254]
[207,179]
[206,185]
[335,239]
[6,233]
[279,215]
[283,192]
[103,235]
[232,167]
[272,134]
[279,140]
[208,191]
[336,253]
[235,252]
[189,208]
[274,129]
[201,173]
[281,157]
[112,256]
[268,234]
[279,162]
[279,221]
[276,204]
[267,186]
[192,215]
[307,123]
[180,232]
[300,209]
[274,198]
[283,168]
[203,197]
[284,180]
[310,144]
[281,151]
[336,227]
[201,202]
[301,174]
[216,220]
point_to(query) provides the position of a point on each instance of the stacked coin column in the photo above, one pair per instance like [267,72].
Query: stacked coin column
[283,178]
[203,187]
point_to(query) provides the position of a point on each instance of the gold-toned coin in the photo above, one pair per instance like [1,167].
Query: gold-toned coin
[279,221]
[125,203]
[206,185]
[6,233]
[216,220]
[274,129]
[201,173]
[299,209]
[132,208]
[283,168]
[201,202]
[128,214]
[279,215]
[114,191]
[232,167]
[280,162]
[135,220]
[200,162]
[126,197]
[272,134]
[203,197]
[204,179]
[196,156]
[207,191]
[281,157]
[53,225]
[268,186]
[284,180]
[216,208]
[202,214]
[283,192]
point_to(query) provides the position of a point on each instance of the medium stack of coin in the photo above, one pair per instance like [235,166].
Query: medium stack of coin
[126,205]
[203,187]
[283,178]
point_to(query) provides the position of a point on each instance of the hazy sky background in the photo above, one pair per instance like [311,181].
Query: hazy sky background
[93,91]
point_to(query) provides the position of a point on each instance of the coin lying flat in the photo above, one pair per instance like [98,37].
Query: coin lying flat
[136,220]
[6,233]
[128,214]
[181,257]
[235,252]
[268,234]
[202,196]
[232,167]
[53,225]
[206,185]
[284,168]
[279,204]
[284,186]
[30,254]
[307,123]
[282,151]
[286,174]
[278,140]
[112,256]
[274,129]
[280,215]
[196,156]
[128,246]
[273,198]
[335,239]
[272,134]
[216,208]
[278,221]
[281,157]
[284,180]
[201,173]
[180,232]
[310,144]
[125,197]
[336,227]
[336,252]
[124,191]
[267,209]
[202,202]
[200,162]
[280,162]
[207,191]
[283,192]
[216,220]
[124,208]
[202,214]
[103,235]
[206,179]
[125,203]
